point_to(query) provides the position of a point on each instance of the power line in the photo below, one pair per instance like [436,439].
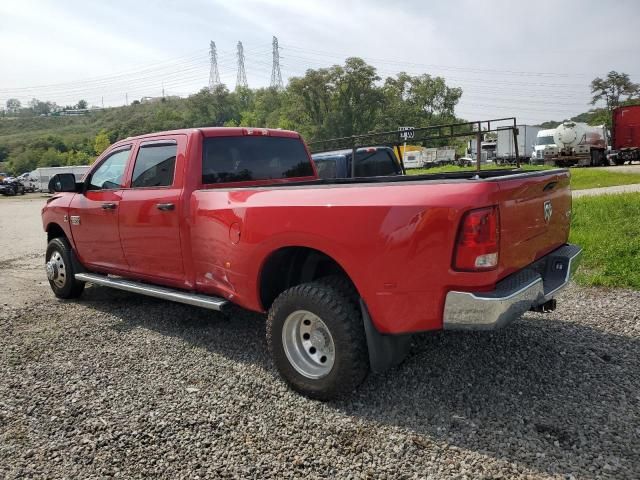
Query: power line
[342,56]
[241,80]
[276,75]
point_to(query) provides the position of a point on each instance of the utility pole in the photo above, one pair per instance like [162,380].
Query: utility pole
[241,80]
[126,99]
[276,75]
[163,90]
[214,74]
[102,101]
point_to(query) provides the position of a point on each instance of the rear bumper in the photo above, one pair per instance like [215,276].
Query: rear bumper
[514,295]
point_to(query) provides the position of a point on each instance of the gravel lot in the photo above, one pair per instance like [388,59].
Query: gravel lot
[119,385]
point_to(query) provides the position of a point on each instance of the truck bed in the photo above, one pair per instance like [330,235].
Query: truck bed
[486,175]
[394,236]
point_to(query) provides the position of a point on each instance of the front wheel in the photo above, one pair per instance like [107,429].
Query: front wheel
[317,341]
[60,270]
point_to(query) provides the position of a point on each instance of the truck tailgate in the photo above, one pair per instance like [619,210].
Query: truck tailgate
[535,216]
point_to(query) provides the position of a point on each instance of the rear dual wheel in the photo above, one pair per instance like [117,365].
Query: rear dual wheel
[317,340]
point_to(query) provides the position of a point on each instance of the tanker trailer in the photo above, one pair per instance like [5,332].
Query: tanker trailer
[577,144]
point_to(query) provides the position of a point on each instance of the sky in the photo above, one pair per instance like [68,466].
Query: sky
[532,60]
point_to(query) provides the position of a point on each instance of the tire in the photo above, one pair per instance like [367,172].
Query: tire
[61,271]
[327,310]
[343,286]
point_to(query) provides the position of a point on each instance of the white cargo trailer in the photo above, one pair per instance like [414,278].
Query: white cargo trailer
[505,145]
[42,175]
[445,155]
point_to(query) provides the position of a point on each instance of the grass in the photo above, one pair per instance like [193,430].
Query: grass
[608,229]
[581,178]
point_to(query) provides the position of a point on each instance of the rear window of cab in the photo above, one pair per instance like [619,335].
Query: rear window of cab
[247,158]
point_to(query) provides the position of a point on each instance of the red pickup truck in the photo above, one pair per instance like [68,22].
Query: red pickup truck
[347,269]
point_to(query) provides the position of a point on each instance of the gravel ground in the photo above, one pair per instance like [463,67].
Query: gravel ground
[589,192]
[116,385]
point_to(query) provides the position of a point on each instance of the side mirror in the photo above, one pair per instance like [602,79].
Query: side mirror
[63,182]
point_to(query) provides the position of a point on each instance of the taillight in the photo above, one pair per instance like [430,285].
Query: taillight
[255,131]
[478,240]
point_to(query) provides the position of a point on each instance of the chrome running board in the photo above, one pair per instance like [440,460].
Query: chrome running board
[198,300]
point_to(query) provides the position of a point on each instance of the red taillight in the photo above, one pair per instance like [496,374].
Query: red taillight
[478,240]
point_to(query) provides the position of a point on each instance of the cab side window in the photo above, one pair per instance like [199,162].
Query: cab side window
[110,174]
[155,165]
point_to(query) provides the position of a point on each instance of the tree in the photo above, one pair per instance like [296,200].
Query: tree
[613,88]
[40,108]
[418,101]
[13,105]
[4,152]
[101,142]
[82,104]
[357,100]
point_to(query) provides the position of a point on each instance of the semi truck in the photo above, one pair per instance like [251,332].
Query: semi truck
[625,134]
[577,144]
[544,138]
[488,148]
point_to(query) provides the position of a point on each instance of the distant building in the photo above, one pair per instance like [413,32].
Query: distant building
[158,99]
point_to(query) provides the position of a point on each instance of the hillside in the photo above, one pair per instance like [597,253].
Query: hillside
[595,116]
[324,103]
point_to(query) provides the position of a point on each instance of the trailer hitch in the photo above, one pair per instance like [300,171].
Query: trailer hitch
[548,306]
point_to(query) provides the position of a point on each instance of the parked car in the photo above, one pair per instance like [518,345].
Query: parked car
[370,162]
[11,186]
[28,182]
[346,269]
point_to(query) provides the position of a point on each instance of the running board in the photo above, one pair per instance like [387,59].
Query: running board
[198,300]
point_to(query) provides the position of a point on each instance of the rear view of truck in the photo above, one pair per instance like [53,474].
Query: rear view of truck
[625,134]
[524,239]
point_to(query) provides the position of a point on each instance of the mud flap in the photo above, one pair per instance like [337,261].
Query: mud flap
[385,351]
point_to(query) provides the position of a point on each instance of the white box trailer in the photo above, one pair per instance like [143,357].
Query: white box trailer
[505,145]
[429,157]
[42,175]
[413,159]
[445,155]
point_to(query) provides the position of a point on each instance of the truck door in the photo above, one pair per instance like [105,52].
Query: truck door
[93,215]
[150,211]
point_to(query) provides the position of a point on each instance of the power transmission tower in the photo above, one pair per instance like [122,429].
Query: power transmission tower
[214,74]
[241,81]
[276,76]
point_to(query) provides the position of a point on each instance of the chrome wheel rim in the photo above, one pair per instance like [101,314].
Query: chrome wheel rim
[56,271]
[308,344]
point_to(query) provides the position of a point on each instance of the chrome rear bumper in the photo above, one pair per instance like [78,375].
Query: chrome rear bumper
[514,295]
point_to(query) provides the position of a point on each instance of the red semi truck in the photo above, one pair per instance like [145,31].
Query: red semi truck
[625,134]
[346,269]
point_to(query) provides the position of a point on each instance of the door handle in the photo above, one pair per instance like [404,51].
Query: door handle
[108,206]
[165,207]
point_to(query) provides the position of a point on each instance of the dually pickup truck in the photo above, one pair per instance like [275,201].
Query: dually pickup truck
[347,269]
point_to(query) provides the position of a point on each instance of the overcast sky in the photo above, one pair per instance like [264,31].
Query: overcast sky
[530,59]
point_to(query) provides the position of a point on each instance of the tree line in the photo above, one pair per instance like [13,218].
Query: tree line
[329,102]
[337,101]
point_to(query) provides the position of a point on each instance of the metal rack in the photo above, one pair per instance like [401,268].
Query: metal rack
[395,138]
